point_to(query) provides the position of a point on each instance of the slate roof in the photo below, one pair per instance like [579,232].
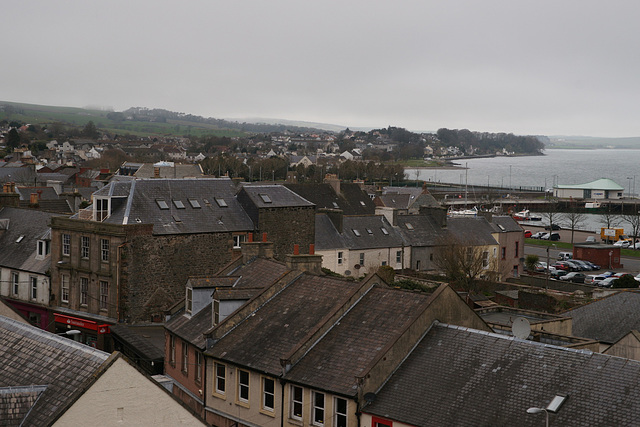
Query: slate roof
[177,170]
[423,231]
[352,200]
[192,328]
[16,402]
[289,316]
[137,338]
[607,319]
[31,356]
[279,196]
[139,203]
[457,376]
[356,340]
[368,233]
[505,224]
[33,225]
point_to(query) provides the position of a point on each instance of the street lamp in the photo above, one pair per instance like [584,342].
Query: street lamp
[548,267]
[537,411]
[629,179]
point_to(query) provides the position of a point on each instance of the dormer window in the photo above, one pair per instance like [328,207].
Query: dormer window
[102,209]
[162,204]
[44,248]
[189,301]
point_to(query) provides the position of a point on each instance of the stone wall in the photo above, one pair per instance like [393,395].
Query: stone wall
[288,226]
[155,270]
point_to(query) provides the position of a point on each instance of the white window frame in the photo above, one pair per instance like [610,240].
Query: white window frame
[266,394]
[318,412]
[64,288]
[340,419]
[242,386]
[66,244]
[198,373]
[15,283]
[84,247]
[238,239]
[33,281]
[340,258]
[189,300]
[220,378]
[398,257]
[362,258]
[172,350]
[104,250]
[296,404]
[185,358]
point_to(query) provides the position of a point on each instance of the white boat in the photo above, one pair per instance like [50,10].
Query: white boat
[525,215]
[592,205]
[462,212]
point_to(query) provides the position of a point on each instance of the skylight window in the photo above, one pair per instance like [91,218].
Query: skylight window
[409,226]
[194,203]
[265,198]
[370,231]
[356,232]
[384,231]
[335,205]
[162,204]
[19,239]
[221,203]
[178,204]
[362,203]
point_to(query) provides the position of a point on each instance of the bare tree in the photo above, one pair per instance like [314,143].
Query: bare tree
[574,220]
[552,215]
[464,263]
[634,224]
[610,220]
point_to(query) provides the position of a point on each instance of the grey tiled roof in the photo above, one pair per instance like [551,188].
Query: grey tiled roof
[352,200]
[608,319]
[139,203]
[422,230]
[473,231]
[136,337]
[368,233]
[458,376]
[31,224]
[504,223]
[288,316]
[31,356]
[355,341]
[273,196]
[192,328]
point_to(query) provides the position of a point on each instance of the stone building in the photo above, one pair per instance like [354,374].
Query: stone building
[127,257]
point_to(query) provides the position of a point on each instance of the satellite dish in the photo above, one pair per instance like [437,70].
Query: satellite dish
[370,397]
[521,328]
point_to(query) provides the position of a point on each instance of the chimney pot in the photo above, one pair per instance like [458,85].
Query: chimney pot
[264,237]
[296,249]
[250,237]
[312,249]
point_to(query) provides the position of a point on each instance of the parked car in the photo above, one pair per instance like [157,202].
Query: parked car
[637,245]
[608,282]
[542,267]
[583,264]
[538,235]
[637,277]
[557,274]
[607,273]
[594,267]
[563,265]
[527,234]
[622,243]
[590,239]
[563,256]
[574,276]
[619,275]
[593,279]
[552,227]
[551,236]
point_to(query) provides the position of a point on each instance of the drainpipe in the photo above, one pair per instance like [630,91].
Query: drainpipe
[282,383]
[118,268]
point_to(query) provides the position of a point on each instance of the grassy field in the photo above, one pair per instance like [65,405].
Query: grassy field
[78,117]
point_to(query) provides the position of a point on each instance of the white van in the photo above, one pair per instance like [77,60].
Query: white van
[564,256]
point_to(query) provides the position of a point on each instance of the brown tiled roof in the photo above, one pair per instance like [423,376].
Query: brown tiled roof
[353,343]
[282,323]
[16,402]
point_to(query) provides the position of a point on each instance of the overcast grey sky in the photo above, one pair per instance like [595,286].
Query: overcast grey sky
[527,67]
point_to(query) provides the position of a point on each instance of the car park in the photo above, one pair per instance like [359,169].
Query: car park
[574,276]
[563,265]
[594,267]
[563,256]
[551,236]
[582,264]
[557,274]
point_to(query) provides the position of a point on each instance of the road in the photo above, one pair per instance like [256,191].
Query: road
[631,265]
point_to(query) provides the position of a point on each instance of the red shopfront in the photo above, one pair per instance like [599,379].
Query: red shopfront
[90,332]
